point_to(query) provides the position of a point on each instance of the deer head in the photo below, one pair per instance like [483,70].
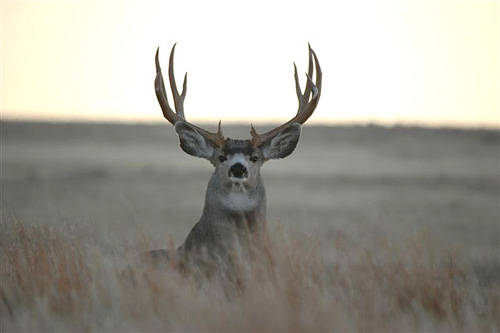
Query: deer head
[237,162]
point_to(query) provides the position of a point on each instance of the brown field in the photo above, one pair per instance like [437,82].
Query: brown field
[370,229]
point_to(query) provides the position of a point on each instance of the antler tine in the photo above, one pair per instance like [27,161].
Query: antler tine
[307,90]
[168,113]
[178,99]
[307,103]
[173,117]
[298,90]
[319,74]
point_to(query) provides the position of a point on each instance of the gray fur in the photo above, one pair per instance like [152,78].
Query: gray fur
[235,208]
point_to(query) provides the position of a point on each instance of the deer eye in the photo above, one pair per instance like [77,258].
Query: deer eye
[254,158]
[222,158]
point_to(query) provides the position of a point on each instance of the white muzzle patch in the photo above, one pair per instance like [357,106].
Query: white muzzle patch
[238,184]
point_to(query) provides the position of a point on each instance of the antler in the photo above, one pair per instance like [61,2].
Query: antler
[178,115]
[307,104]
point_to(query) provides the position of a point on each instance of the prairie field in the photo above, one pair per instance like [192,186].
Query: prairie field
[370,228]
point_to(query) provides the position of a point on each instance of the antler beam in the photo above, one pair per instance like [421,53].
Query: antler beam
[307,101]
[178,115]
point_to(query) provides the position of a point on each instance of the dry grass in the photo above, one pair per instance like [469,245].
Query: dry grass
[50,282]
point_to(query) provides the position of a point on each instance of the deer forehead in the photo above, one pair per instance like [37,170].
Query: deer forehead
[235,146]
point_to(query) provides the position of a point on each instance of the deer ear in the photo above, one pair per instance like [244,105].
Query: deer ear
[192,142]
[282,144]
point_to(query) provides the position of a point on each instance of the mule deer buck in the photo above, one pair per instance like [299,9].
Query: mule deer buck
[235,200]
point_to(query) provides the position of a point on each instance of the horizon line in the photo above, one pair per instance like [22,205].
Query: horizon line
[243,122]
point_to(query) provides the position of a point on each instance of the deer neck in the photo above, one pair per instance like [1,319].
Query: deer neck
[224,203]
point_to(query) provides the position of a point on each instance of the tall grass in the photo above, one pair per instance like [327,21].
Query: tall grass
[49,281]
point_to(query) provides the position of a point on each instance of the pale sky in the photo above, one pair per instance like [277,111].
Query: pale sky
[432,62]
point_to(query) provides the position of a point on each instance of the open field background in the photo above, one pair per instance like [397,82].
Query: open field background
[116,190]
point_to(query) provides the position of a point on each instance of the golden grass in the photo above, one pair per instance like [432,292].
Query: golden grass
[49,282]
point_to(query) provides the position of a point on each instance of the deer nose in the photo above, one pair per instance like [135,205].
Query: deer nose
[238,170]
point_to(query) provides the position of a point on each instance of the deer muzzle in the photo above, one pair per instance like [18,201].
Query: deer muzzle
[238,170]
